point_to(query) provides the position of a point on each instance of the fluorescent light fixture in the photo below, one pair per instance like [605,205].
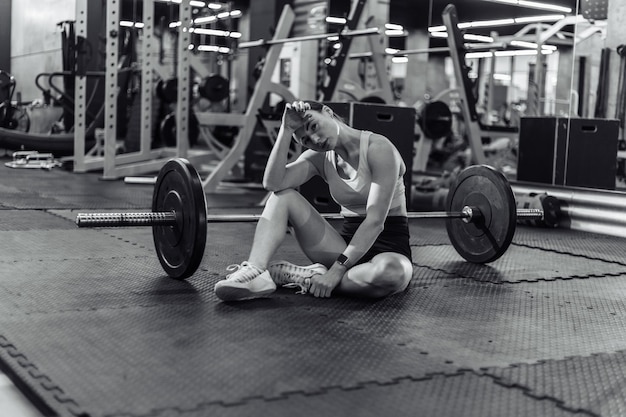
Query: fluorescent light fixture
[400,59]
[215,32]
[214,48]
[336,20]
[502,77]
[214,18]
[439,34]
[395,33]
[393,26]
[535,5]
[215,6]
[531,45]
[472,55]
[176,24]
[129,24]
[525,52]
[204,19]
[478,38]
[195,3]
[469,37]
[501,22]
[391,51]
[486,23]
[332,38]
[544,18]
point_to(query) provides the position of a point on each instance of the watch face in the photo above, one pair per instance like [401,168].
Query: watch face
[342,259]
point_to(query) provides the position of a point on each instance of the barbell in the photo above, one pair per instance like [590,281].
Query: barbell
[480,219]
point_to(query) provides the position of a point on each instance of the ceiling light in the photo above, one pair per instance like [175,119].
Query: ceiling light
[525,52]
[215,32]
[546,18]
[395,33]
[214,48]
[399,59]
[469,37]
[502,77]
[478,38]
[534,5]
[393,26]
[204,19]
[194,3]
[336,20]
[439,34]
[486,23]
[501,22]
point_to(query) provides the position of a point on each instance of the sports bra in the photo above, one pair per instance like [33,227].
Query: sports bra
[351,194]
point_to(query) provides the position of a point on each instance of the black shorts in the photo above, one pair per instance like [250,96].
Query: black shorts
[394,237]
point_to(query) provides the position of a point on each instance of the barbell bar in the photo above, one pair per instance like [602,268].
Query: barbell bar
[138,219]
[345,33]
[480,197]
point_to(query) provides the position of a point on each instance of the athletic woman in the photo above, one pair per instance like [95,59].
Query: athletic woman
[370,256]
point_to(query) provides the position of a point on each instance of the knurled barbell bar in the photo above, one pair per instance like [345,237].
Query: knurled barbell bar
[480,197]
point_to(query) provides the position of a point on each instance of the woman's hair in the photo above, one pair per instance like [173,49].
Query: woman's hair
[317,106]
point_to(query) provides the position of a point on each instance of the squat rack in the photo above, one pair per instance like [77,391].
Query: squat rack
[146,159]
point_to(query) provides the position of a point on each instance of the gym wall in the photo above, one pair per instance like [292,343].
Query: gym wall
[36,40]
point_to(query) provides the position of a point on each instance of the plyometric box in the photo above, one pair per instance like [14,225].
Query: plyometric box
[571,152]
[395,123]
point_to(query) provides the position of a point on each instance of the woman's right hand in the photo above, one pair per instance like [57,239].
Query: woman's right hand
[293,114]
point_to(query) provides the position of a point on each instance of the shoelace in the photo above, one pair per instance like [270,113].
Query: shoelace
[303,286]
[242,273]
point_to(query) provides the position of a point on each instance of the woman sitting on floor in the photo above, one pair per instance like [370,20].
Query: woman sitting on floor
[371,255]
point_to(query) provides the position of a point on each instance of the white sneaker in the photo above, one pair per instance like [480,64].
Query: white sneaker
[245,283]
[295,276]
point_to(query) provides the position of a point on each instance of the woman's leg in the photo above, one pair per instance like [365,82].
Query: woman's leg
[317,238]
[387,273]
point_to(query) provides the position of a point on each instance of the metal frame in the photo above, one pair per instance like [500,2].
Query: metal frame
[246,122]
[146,159]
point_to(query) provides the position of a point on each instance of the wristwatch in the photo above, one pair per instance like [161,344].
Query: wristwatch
[342,260]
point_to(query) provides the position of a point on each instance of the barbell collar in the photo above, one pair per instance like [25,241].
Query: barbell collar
[346,33]
[468,214]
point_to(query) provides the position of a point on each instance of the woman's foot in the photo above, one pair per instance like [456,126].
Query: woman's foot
[245,283]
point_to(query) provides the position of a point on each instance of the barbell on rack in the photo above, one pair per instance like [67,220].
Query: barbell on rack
[480,219]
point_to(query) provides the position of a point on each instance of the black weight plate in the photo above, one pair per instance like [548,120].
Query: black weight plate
[180,248]
[436,119]
[486,189]
[214,88]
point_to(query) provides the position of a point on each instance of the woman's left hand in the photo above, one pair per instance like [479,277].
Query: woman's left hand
[323,285]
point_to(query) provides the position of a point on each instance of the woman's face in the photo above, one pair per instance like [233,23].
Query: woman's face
[319,131]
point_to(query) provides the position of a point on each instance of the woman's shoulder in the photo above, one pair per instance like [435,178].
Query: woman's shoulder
[382,152]
[380,144]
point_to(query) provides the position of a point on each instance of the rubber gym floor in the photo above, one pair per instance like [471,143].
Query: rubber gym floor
[90,325]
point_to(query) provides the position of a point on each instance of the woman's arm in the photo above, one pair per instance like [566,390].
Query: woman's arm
[385,166]
[278,174]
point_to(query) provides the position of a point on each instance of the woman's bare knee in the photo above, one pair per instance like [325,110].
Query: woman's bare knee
[385,274]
